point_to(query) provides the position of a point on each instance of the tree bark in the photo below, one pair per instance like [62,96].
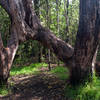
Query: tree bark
[7,55]
[27,26]
[87,41]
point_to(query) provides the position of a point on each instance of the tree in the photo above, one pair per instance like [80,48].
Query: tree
[87,40]
[26,25]
[66,6]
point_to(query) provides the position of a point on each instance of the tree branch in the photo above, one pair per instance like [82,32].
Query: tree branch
[62,50]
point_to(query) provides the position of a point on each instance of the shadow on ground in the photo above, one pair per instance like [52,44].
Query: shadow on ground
[37,87]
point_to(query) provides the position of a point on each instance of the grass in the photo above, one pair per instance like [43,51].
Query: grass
[32,69]
[3,90]
[90,91]
[61,72]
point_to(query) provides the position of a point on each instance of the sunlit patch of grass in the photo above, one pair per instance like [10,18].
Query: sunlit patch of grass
[4,90]
[32,69]
[39,65]
[89,91]
[61,72]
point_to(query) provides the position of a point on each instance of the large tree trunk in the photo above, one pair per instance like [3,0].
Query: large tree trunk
[27,26]
[87,41]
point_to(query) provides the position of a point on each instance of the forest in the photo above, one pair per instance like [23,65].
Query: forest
[49,50]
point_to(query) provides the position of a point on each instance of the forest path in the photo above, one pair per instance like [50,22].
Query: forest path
[42,86]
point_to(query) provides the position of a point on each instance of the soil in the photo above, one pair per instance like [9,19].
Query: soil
[42,86]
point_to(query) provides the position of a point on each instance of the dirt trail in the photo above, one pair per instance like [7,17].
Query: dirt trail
[37,87]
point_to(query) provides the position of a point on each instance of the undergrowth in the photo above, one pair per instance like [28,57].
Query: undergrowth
[89,91]
[4,90]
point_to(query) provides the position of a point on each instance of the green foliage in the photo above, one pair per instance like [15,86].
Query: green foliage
[32,69]
[4,25]
[89,91]
[73,15]
[4,90]
[61,72]
[29,49]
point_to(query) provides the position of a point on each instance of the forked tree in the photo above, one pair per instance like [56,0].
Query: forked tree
[25,25]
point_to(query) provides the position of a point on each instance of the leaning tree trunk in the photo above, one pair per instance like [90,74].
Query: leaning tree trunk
[27,26]
[87,41]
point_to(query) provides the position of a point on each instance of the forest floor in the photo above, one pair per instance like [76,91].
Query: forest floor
[35,82]
[42,86]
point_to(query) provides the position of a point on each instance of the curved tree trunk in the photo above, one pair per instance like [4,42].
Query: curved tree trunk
[79,60]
